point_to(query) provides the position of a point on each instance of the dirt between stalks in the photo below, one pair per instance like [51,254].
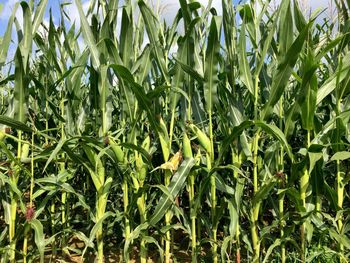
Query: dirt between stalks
[113,255]
[181,256]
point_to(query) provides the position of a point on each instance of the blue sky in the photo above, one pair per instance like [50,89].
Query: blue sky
[170,7]
[168,10]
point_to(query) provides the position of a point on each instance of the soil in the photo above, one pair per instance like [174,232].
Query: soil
[181,255]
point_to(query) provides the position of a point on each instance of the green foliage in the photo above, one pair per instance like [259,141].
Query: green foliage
[227,134]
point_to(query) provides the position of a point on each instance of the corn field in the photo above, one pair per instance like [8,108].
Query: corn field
[222,136]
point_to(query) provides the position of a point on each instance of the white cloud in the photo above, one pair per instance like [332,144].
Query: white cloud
[168,8]
[319,3]
[7,9]
[73,14]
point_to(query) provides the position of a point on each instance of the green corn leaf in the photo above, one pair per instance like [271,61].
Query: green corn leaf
[308,88]
[39,14]
[330,125]
[225,244]
[267,42]
[211,64]
[191,71]
[151,240]
[176,184]
[126,37]
[234,217]
[144,65]
[39,237]
[14,189]
[221,186]
[245,71]
[299,19]
[113,51]
[164,140]
[20,91]
[98,225]
[5,43]
[236,131]
[324,49]
[152,26]
[340,156]
[237,117]
[43,203]
[340,74]
[248,15]
[264,190]
[139,149]
[14,124]
[286,27]
[284,71]
[54,153]
[26,43]
[64,187]
[178,79]
[88,36]
[342,239]
[95,228]
[140,95]
[278,134]
[134,235]
[275,244]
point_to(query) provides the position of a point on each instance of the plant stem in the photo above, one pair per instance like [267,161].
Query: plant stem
[168,216]
[52,215]
[100,209]
[61,170]
[282,186]
[12,224]
[27,226]
[126,204]
[210,159]
[13,213]
[25,242]
[256,206]
[143,217]
[99,233]
[193,218]
[281,214]
[304,183]
[340,193]
[236,159]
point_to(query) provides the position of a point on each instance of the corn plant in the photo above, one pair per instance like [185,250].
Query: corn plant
[220,136]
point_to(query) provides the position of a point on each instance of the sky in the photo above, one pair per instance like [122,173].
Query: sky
[168,10]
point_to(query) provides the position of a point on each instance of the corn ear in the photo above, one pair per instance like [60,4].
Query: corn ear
[2,135]
[173,164]
[25,151]
[168,166]
[186,144]
[118,151]
[176,159]
[164,140]
[146,144]
[198,157]
[135,180]
[202,138]
[141,168]
[101,173]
